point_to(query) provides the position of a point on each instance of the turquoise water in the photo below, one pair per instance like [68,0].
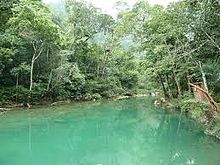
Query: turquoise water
[128,132]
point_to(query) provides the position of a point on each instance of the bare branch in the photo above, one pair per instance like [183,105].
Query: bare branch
[35,49]
[210,99]
[41,50]
[211,39]
[194,50]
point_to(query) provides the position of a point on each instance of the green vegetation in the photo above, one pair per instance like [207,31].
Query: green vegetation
[74,52]
[200,112]
[47,56]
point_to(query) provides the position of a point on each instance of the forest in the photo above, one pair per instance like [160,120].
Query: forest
[73,51]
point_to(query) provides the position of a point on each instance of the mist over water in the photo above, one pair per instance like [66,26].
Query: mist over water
[128,132]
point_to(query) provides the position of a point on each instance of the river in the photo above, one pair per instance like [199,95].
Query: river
[126,132]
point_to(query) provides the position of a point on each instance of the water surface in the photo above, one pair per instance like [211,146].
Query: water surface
[128,132]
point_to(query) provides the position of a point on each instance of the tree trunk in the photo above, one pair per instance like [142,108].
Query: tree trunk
[49,81]
[105,63]
[203,76]
[17,79]
[47,55]
[34,58]
[31,74]
[163,86]
[188,81]
[177,83]
[210,99]
[168,87]
[97,72]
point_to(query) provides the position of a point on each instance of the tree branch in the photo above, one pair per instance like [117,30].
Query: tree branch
[211,39]
[211,100]
[41,50]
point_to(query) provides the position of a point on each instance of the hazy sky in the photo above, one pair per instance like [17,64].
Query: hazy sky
[107,5]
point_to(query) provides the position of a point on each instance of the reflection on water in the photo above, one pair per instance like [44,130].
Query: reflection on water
[128,132]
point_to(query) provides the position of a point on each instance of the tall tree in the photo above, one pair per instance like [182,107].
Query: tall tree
[32,22]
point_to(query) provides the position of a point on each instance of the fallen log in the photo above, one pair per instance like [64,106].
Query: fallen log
[208,96]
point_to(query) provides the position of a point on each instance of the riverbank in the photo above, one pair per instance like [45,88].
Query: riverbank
[201,112]
[8,107]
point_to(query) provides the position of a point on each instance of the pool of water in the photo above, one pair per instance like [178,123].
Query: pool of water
[127,132]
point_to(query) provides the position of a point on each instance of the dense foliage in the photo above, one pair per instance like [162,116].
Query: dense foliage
[75,52]
[180,44]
